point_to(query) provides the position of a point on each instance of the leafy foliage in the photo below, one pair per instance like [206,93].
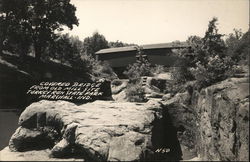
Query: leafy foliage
[66,49]
[35,22]
[216,70]
[213,43]
[97,69]
[70,50]
[135,93]
[138,69]
[210,59]
[119,44]
[158,69]
[238,46]
[181,73]
[214,66]
[94,43]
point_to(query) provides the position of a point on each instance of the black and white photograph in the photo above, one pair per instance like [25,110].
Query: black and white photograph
[124,80]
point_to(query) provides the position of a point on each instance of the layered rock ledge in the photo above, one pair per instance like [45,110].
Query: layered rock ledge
[101,130]
[214,122]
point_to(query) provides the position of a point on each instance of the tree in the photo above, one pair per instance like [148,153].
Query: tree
[140,68]
[119,44]
[65,49]
[197,51]
[210,45]
[212,65]
[36,21]
[244,48]
[116,44]
[238,45]
[94,43]
[14,34]
[213,43]
[207,61]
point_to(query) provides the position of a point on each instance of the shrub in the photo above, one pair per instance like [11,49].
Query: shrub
[135,93]
[216,70]
[181,74]
[209,63]
[98,69]
[158,69]
[138,69]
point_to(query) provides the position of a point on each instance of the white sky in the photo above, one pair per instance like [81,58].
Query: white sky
[157,21]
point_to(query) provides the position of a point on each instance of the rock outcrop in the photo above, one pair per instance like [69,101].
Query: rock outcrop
[100,131]
[223,118]
[118,90]
[214,121]
[154,87]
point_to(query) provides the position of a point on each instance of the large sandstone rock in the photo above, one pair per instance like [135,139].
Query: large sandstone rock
[101,130]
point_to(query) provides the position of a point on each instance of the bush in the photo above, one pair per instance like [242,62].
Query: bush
[216,70]
[181,74]
[135,93]
[138,69]
[98,69]
[158,69]
[209,62]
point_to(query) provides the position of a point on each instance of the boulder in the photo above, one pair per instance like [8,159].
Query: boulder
[24,138]
[120,97]
[118,88]
[154,87]
[154,95]
[166,97]
[155,84]
[100,131]
[118,85]
[127,147]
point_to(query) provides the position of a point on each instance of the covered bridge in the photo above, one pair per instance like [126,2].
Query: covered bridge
[121,57]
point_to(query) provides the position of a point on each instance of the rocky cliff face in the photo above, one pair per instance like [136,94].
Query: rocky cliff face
[100,131]
[223,118]
[214,121]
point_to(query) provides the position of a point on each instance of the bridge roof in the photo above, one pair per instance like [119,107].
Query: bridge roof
[118,49]
[145,47]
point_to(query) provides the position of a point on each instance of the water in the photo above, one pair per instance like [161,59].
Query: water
[8,125]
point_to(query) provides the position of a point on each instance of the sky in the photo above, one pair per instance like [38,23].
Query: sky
[157,21]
